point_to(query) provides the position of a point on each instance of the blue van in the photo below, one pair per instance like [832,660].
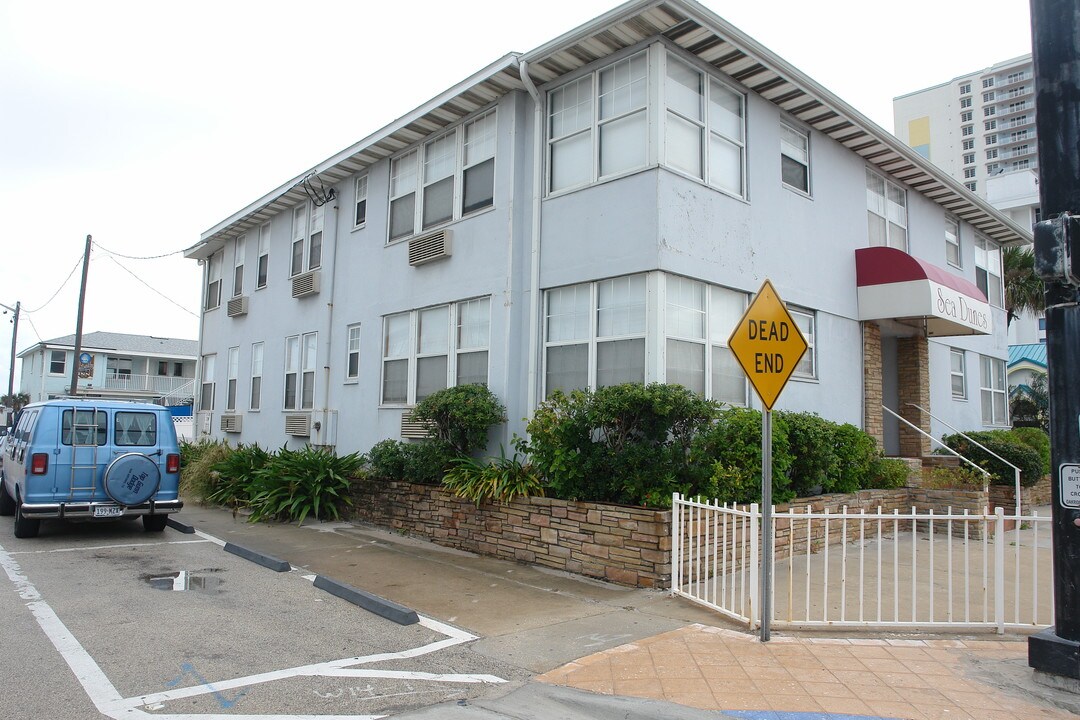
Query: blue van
[87,460]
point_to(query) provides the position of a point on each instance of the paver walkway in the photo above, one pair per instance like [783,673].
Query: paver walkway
[803,678]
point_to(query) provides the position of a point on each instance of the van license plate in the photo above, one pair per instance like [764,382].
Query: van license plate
[107,511]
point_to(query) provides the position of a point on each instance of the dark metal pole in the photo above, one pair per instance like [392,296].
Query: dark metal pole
[1056,48]
[14,338]
[79,320]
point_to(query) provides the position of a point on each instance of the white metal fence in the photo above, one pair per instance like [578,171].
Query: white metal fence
[901,570]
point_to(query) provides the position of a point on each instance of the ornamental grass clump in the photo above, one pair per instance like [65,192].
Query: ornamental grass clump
[295,484]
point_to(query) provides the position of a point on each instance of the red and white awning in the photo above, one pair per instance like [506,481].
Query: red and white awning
[894,285]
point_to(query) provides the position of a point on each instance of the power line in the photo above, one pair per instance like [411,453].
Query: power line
[152,288]
[39,309]
[137,257]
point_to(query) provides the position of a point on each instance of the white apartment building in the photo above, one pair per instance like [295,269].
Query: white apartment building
[980,128]
[600,210]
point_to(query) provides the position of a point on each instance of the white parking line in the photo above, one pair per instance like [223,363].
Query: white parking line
[108,547]
[110,703]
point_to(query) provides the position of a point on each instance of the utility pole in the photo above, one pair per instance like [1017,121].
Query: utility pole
[14,339]
[79,320]
[1054,653]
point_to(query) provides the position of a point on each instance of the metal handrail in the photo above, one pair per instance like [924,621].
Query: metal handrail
[934,439]
[1016,470]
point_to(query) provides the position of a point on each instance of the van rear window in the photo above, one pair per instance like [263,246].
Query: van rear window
[87,424]
[136,429]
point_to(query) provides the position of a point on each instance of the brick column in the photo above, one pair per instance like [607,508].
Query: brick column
[913,363]
[873,419]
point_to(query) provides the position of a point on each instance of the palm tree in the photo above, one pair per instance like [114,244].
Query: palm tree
[1023,288]
[15,402]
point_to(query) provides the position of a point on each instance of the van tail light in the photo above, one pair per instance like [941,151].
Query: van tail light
[172,463]
[39,463]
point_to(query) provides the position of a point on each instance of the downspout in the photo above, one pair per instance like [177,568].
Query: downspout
[534,258]
[196,382]
[330,261]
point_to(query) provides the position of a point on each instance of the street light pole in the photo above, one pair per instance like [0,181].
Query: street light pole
[74,390]
[14,339]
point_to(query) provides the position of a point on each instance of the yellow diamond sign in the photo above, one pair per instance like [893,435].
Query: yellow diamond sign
[768,344]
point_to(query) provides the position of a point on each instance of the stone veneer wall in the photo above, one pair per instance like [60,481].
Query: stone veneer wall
[913,362]
[873,415]
[626,545]
[1030,497]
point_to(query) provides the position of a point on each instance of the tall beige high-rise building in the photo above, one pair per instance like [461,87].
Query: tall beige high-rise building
[980,128]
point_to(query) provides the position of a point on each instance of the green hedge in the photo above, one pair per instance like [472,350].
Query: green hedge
[1006,444]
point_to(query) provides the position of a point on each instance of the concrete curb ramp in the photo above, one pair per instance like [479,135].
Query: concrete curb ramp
[380,606]
[275,564]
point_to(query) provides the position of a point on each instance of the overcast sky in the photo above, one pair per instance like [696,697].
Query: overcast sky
[145,123]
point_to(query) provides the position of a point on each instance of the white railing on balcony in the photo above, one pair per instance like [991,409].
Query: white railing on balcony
[152,384]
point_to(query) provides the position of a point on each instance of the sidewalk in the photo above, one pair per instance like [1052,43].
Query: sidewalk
[602,638]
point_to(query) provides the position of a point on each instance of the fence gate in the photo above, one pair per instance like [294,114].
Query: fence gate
[910,570]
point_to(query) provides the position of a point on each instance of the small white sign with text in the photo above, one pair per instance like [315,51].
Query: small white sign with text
[1070,486]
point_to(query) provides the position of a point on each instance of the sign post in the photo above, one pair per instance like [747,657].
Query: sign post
[768,345]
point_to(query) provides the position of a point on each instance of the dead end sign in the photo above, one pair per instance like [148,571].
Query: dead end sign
[768,344]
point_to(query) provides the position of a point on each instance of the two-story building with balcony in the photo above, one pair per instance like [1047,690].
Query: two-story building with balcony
[111,365]
[600,210]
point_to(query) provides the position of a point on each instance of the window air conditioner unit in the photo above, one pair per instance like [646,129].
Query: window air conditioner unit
[306,284]
[237,306]
[232,423]
[298,424]
[430,247]
[413,429]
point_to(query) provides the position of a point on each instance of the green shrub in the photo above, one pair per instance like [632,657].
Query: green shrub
[1005,444]
[426,461]
[1038,439]
[857,457]
[461,416]
[730,449]
[297,483]
[888,473]
[191,451]
[386,459]
[496,480]
[626,443]
[197,476]
[813,453]
[948,478]
[233,475]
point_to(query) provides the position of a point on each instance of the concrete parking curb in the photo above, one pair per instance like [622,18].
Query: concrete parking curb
[180,527]
[269,561]
[373,603]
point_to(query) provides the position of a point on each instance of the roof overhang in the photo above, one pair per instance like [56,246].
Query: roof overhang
[698,31]
[896,286]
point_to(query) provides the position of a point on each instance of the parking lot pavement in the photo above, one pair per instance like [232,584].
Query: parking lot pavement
[170,624]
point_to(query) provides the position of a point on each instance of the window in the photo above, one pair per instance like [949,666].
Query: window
[118,367]
[213,281]
[807,367]
[969,158]
[206,395]
[135,429]
[238,266]
[992,168]
[178,369]
[965,102]
[307,238]
[255,402]
[969,144]
[965,116]
[966,130]
[232,375]
[447,177]
[360,212]
[163,368]
[952,242]
[994,407]
[58,362]
[1018,135]
[958,373]
[795,158]
[969,173]
[1021,164]
[991,139]
[1018,106]
[988,96]
[971,186]
[264,256]
[433,348]
[352,361]
[988,270]
[726,308]
[991,153]
[990,125]
[300,371]
[88,424]
[886,205]
[990,111]
[988,82]
[965,88]
[1015,77]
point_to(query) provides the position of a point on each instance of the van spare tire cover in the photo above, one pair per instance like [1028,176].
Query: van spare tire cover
[132,478]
